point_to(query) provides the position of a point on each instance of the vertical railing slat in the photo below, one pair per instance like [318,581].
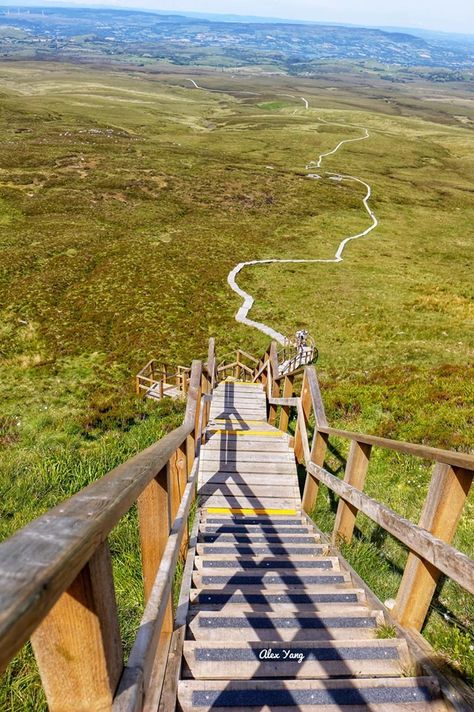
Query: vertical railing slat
[355,474]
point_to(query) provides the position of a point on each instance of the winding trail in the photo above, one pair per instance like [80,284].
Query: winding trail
[248,301]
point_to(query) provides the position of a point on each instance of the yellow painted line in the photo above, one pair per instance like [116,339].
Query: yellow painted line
[266,433]
[250,512]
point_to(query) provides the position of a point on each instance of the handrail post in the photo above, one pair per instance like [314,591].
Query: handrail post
[77,646]
[449,488]
[355,474]
[285,411]
[154,519]
[274,387]
[311,485]
[306,403]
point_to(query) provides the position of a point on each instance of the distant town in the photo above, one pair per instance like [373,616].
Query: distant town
[143,38]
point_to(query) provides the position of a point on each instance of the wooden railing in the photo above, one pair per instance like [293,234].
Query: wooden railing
[428,541]
[240,366]
[162,379]
[56,582]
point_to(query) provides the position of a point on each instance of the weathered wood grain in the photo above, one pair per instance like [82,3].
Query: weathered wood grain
[443,507]
[78,646]
[355,474]
[444,557]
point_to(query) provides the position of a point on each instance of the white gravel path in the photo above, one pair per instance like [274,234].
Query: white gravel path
[248,301]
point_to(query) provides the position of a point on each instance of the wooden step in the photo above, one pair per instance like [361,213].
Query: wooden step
[266,579]
[251,539]
[244,468]
[357,695]
[288,505]
[346,624]
[216,660]
[239,430]
[233,438]
[245,456]
[254,529]
[227,489]
[256,549]
[274,563]
[214,519]
[243,445]
[233,478]
[340,595]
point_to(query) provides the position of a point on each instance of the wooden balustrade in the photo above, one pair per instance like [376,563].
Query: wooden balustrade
[56,582]
[428,542]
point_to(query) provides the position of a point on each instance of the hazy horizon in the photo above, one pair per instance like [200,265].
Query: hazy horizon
[457,16]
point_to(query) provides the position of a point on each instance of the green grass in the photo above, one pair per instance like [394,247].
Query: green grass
[126,198]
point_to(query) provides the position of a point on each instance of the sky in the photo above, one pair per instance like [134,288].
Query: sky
[444,15]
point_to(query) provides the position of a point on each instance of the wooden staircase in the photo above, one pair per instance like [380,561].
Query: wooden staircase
[273,622]
[270,616]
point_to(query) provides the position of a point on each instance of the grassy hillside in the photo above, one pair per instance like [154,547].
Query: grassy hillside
[126,198]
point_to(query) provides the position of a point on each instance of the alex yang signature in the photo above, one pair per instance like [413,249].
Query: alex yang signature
[270,654]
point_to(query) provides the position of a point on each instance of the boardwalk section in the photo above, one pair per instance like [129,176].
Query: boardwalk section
[273,621]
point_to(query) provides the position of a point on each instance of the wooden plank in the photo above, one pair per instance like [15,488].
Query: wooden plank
[165,699]
[261,561]
[307,660]
[242,502]
[248,479]
[244,445]
[311,486]
[448,457]
[155,523]
[355,474]
[308,564]
[154,512]
[285,411]
[242,468]
[274,386]
[78,646]
[317,402]
[238,456]
[229,436]
[143,654]
[446,558]
[333,689]
[305,405]
[245,627]
[226,489]
[442,510]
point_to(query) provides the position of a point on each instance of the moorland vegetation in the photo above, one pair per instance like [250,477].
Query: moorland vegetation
[125,199]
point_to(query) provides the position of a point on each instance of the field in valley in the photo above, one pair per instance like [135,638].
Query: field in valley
[126,197]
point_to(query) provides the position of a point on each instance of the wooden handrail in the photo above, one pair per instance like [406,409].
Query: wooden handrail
[41,561]
[449,457]
[136,674]
[446,558]
[429,542]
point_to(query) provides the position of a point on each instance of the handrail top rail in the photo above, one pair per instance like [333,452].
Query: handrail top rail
[41,560]
[448,457]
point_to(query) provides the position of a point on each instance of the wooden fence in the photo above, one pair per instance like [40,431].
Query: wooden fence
[161,379]
[428,542]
